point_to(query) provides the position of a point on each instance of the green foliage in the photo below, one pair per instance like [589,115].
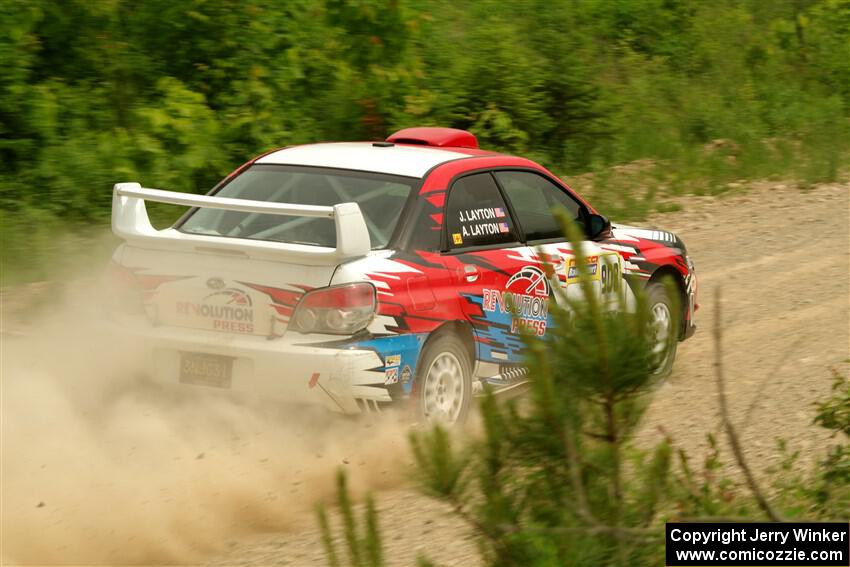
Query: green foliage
[832,488]
[707,491]
[834,413]
[177,94]
[442,470]
[364,550]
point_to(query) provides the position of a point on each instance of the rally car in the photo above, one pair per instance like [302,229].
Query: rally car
[355,275]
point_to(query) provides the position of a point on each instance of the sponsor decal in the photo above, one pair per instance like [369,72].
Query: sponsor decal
[392,360]
[457,238]
[391,375]
[525,298]
[229,309]
[592,263]
[215,283]
[606,268]
[406,374]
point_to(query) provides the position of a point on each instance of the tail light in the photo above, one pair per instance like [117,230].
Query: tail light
[336,310]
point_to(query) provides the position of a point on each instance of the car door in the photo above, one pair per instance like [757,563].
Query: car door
[533,197]
[499,281]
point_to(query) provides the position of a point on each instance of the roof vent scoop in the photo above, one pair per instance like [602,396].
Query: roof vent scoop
[436,137]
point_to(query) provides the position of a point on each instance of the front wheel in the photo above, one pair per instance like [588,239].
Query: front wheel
[663,328]
[445,382]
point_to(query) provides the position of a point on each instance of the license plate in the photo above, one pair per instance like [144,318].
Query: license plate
[206,369]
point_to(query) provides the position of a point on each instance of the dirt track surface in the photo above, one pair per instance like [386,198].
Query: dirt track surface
[782,259]
[229,486]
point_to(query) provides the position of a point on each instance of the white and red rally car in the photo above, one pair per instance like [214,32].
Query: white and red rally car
[358,274]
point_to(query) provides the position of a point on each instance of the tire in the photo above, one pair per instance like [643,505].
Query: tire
[665,329]
[444,382]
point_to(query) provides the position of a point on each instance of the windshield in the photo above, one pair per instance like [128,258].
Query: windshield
[381,199]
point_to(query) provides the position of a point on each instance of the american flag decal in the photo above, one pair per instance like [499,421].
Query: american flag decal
[503,227]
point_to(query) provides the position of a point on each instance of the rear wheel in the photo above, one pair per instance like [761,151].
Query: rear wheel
[444,381]
[664,341]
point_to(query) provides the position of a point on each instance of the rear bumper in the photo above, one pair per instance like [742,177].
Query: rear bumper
[342,380]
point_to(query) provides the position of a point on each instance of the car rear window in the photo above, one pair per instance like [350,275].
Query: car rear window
[381,199]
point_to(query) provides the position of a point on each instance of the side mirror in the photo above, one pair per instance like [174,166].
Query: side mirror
[597,226]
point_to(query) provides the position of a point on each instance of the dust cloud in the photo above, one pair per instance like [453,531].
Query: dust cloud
[100,466]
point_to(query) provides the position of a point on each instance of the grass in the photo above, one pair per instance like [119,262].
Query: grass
[634,191]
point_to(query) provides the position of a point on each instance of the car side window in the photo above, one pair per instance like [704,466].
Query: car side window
[477,214]
[533,197]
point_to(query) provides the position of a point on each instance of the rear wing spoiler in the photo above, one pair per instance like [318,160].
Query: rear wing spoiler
[130,222]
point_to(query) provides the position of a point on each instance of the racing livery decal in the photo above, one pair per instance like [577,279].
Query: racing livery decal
[283,300]
[147,284]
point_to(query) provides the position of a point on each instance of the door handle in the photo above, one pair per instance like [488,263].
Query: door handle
[470,273]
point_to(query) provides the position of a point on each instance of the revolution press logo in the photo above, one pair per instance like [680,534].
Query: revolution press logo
[525,298]
[228,309]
